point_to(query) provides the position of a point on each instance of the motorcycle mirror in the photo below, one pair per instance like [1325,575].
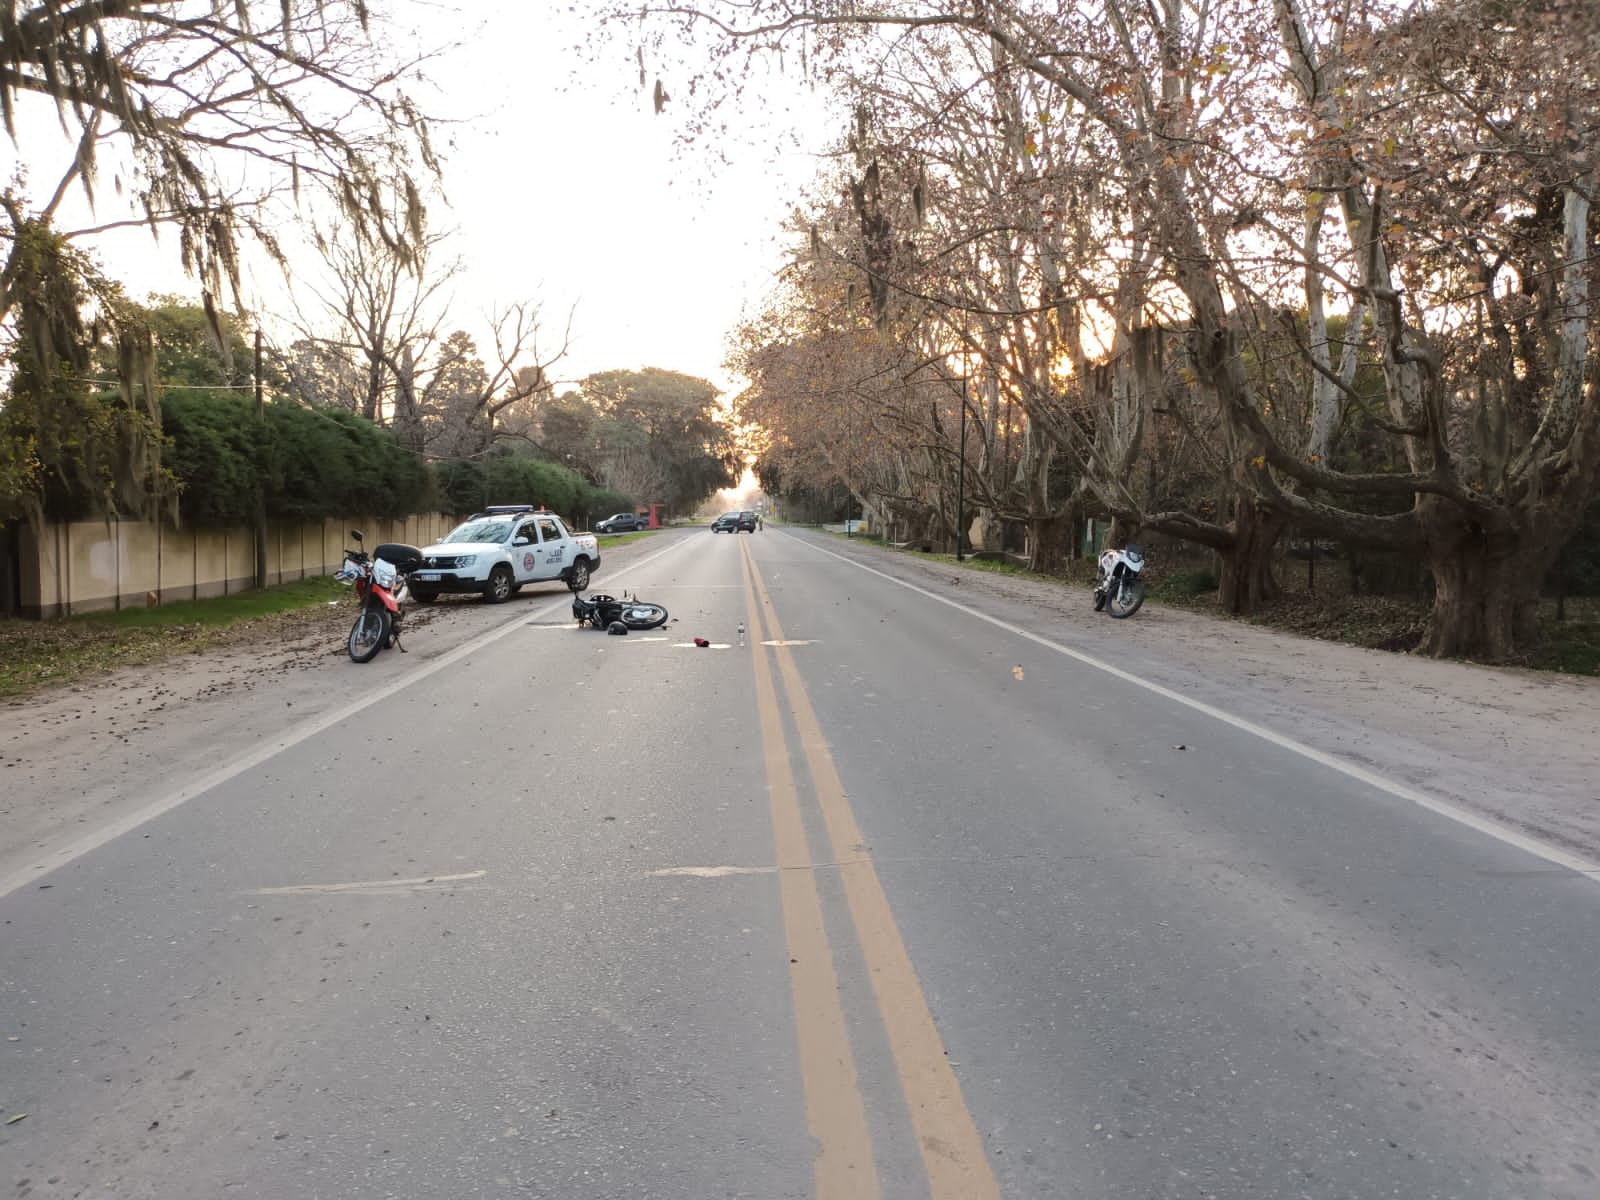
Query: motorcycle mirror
[356,533]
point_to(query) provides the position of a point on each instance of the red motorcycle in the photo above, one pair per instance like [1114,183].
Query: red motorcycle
[381,585]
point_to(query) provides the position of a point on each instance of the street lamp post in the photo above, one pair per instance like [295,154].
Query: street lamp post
[849,434]
[961,477]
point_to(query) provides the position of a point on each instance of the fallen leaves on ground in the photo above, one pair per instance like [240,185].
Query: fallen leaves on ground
[37,654]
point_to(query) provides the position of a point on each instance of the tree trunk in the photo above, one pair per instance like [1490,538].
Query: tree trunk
[1246,580]
[984,533]
[1485,585]
[407,423]
[1047,544]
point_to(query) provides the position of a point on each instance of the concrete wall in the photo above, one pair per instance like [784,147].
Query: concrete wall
[87,566]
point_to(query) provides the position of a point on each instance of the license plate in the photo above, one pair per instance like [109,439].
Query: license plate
[427,575]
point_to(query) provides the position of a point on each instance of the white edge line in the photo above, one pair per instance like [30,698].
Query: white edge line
[375,885]
[64,854]
[1586,867]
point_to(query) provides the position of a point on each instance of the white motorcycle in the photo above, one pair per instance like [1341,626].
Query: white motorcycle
[1120,588]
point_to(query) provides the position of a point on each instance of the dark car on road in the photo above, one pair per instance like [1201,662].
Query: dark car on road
[622,523]
[735,522]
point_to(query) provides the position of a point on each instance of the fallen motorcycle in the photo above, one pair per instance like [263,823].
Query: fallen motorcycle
[1120,587]
[381,585]
[601,611]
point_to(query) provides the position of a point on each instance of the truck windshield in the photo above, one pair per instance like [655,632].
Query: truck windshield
[479,531]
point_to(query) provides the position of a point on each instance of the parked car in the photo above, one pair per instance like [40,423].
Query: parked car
[728,522]
[622,523]
[498,550]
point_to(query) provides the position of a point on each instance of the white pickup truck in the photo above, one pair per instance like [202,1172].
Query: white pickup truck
[496,551]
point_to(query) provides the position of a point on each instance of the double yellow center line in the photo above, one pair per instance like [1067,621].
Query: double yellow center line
[952,1152]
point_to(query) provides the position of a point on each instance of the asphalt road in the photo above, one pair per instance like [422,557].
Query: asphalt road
[875,896]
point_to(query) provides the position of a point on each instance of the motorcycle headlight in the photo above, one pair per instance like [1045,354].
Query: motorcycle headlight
[466,560]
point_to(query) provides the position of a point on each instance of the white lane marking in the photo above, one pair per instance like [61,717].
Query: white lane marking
[374,886]
[1572,861]
[790,642]
[714,872]
[296,734]
[694,646]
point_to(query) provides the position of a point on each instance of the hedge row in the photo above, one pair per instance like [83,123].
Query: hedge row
[307,463]
[311,464]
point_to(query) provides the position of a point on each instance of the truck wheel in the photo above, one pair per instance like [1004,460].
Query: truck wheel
[500,585]
[578,579]
[424,595]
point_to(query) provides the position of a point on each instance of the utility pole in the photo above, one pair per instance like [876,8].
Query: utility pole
[849,433]
[961,477]
[261,492]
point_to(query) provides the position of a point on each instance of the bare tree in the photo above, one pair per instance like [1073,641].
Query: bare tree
[383,314]
[381,305]
[322,374]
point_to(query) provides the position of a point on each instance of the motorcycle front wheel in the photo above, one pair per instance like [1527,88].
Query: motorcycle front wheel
[369,634]
[643,616]
[1125,597]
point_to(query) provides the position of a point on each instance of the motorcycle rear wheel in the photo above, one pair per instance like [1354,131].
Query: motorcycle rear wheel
[369,634]
[1125,597]
[643,616]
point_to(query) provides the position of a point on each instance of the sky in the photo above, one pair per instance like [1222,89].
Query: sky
[569,187]
[568,190]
